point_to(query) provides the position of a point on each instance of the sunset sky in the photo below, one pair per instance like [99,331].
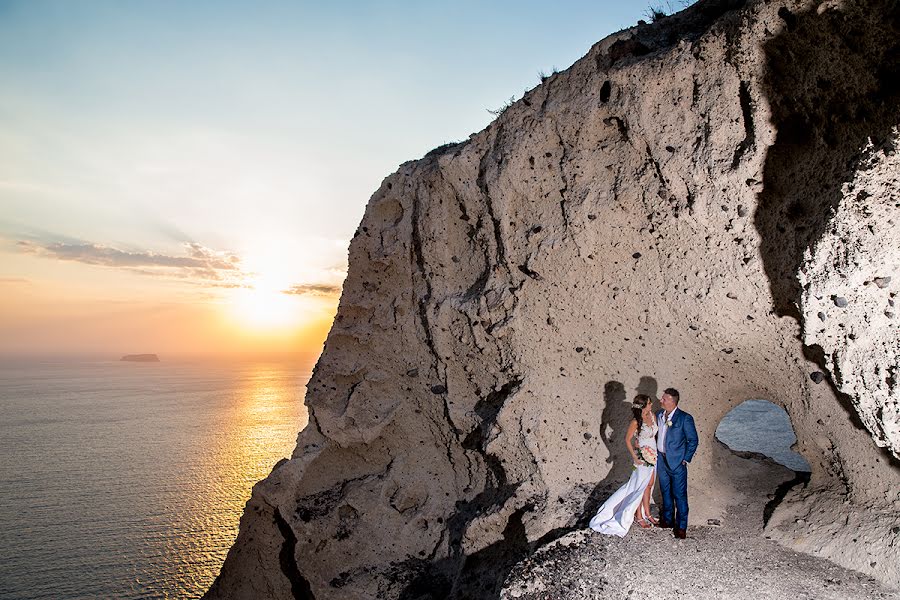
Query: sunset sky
[185,177]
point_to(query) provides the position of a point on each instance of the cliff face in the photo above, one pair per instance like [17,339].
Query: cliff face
[709,202]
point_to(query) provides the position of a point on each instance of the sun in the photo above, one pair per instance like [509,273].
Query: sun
[265,309]
[273,301]
[264,306]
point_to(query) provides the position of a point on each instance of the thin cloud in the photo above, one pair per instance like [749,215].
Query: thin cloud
[193,278]
[313,289]
[199,265]
[199,262]
[13,280]
[11,231]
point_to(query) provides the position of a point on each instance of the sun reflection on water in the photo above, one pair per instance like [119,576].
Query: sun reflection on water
[259,427]
[127,480]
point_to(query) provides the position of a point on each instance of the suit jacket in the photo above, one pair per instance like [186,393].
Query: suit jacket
[681,438]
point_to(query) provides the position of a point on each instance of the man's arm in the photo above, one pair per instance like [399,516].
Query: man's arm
[690,434]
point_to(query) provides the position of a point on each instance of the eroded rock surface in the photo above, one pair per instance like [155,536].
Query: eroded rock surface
[675,209]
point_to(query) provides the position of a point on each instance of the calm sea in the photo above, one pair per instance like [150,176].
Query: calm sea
[761,426]
[127,480]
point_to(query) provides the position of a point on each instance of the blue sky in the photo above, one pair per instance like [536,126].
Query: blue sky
[255,130]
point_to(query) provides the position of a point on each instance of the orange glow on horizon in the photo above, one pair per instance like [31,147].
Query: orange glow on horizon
[51,318]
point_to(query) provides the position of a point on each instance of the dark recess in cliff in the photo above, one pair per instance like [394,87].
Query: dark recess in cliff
[299,585]
[823,118]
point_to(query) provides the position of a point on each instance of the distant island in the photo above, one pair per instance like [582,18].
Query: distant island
[140,358]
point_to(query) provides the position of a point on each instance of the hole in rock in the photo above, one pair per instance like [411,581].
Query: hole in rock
[761,427]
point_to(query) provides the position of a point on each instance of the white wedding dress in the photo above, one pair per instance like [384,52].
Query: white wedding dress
[617,513]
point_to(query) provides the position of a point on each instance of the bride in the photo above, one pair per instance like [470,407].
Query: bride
[632,501]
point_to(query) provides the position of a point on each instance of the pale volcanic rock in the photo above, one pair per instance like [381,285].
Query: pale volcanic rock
[860,340]
[676,209]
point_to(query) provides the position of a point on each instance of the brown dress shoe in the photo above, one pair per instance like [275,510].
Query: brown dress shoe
[664,524]
[680,533]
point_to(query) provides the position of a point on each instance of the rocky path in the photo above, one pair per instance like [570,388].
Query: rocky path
[732,561]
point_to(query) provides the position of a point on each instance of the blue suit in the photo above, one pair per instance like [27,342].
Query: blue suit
[680,445]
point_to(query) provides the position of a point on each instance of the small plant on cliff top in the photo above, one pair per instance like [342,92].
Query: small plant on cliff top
[443,148]
[655,13]
[544,77]
[499,111]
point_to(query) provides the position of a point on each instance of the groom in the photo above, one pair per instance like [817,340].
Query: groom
[676,443]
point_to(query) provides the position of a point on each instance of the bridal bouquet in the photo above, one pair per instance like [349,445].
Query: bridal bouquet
[648,455]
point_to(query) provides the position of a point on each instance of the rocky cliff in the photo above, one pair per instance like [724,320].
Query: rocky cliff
[708,202]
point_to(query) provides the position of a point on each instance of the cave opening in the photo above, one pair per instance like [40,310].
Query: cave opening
[760,427]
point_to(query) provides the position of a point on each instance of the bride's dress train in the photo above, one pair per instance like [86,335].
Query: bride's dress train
[617,513]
